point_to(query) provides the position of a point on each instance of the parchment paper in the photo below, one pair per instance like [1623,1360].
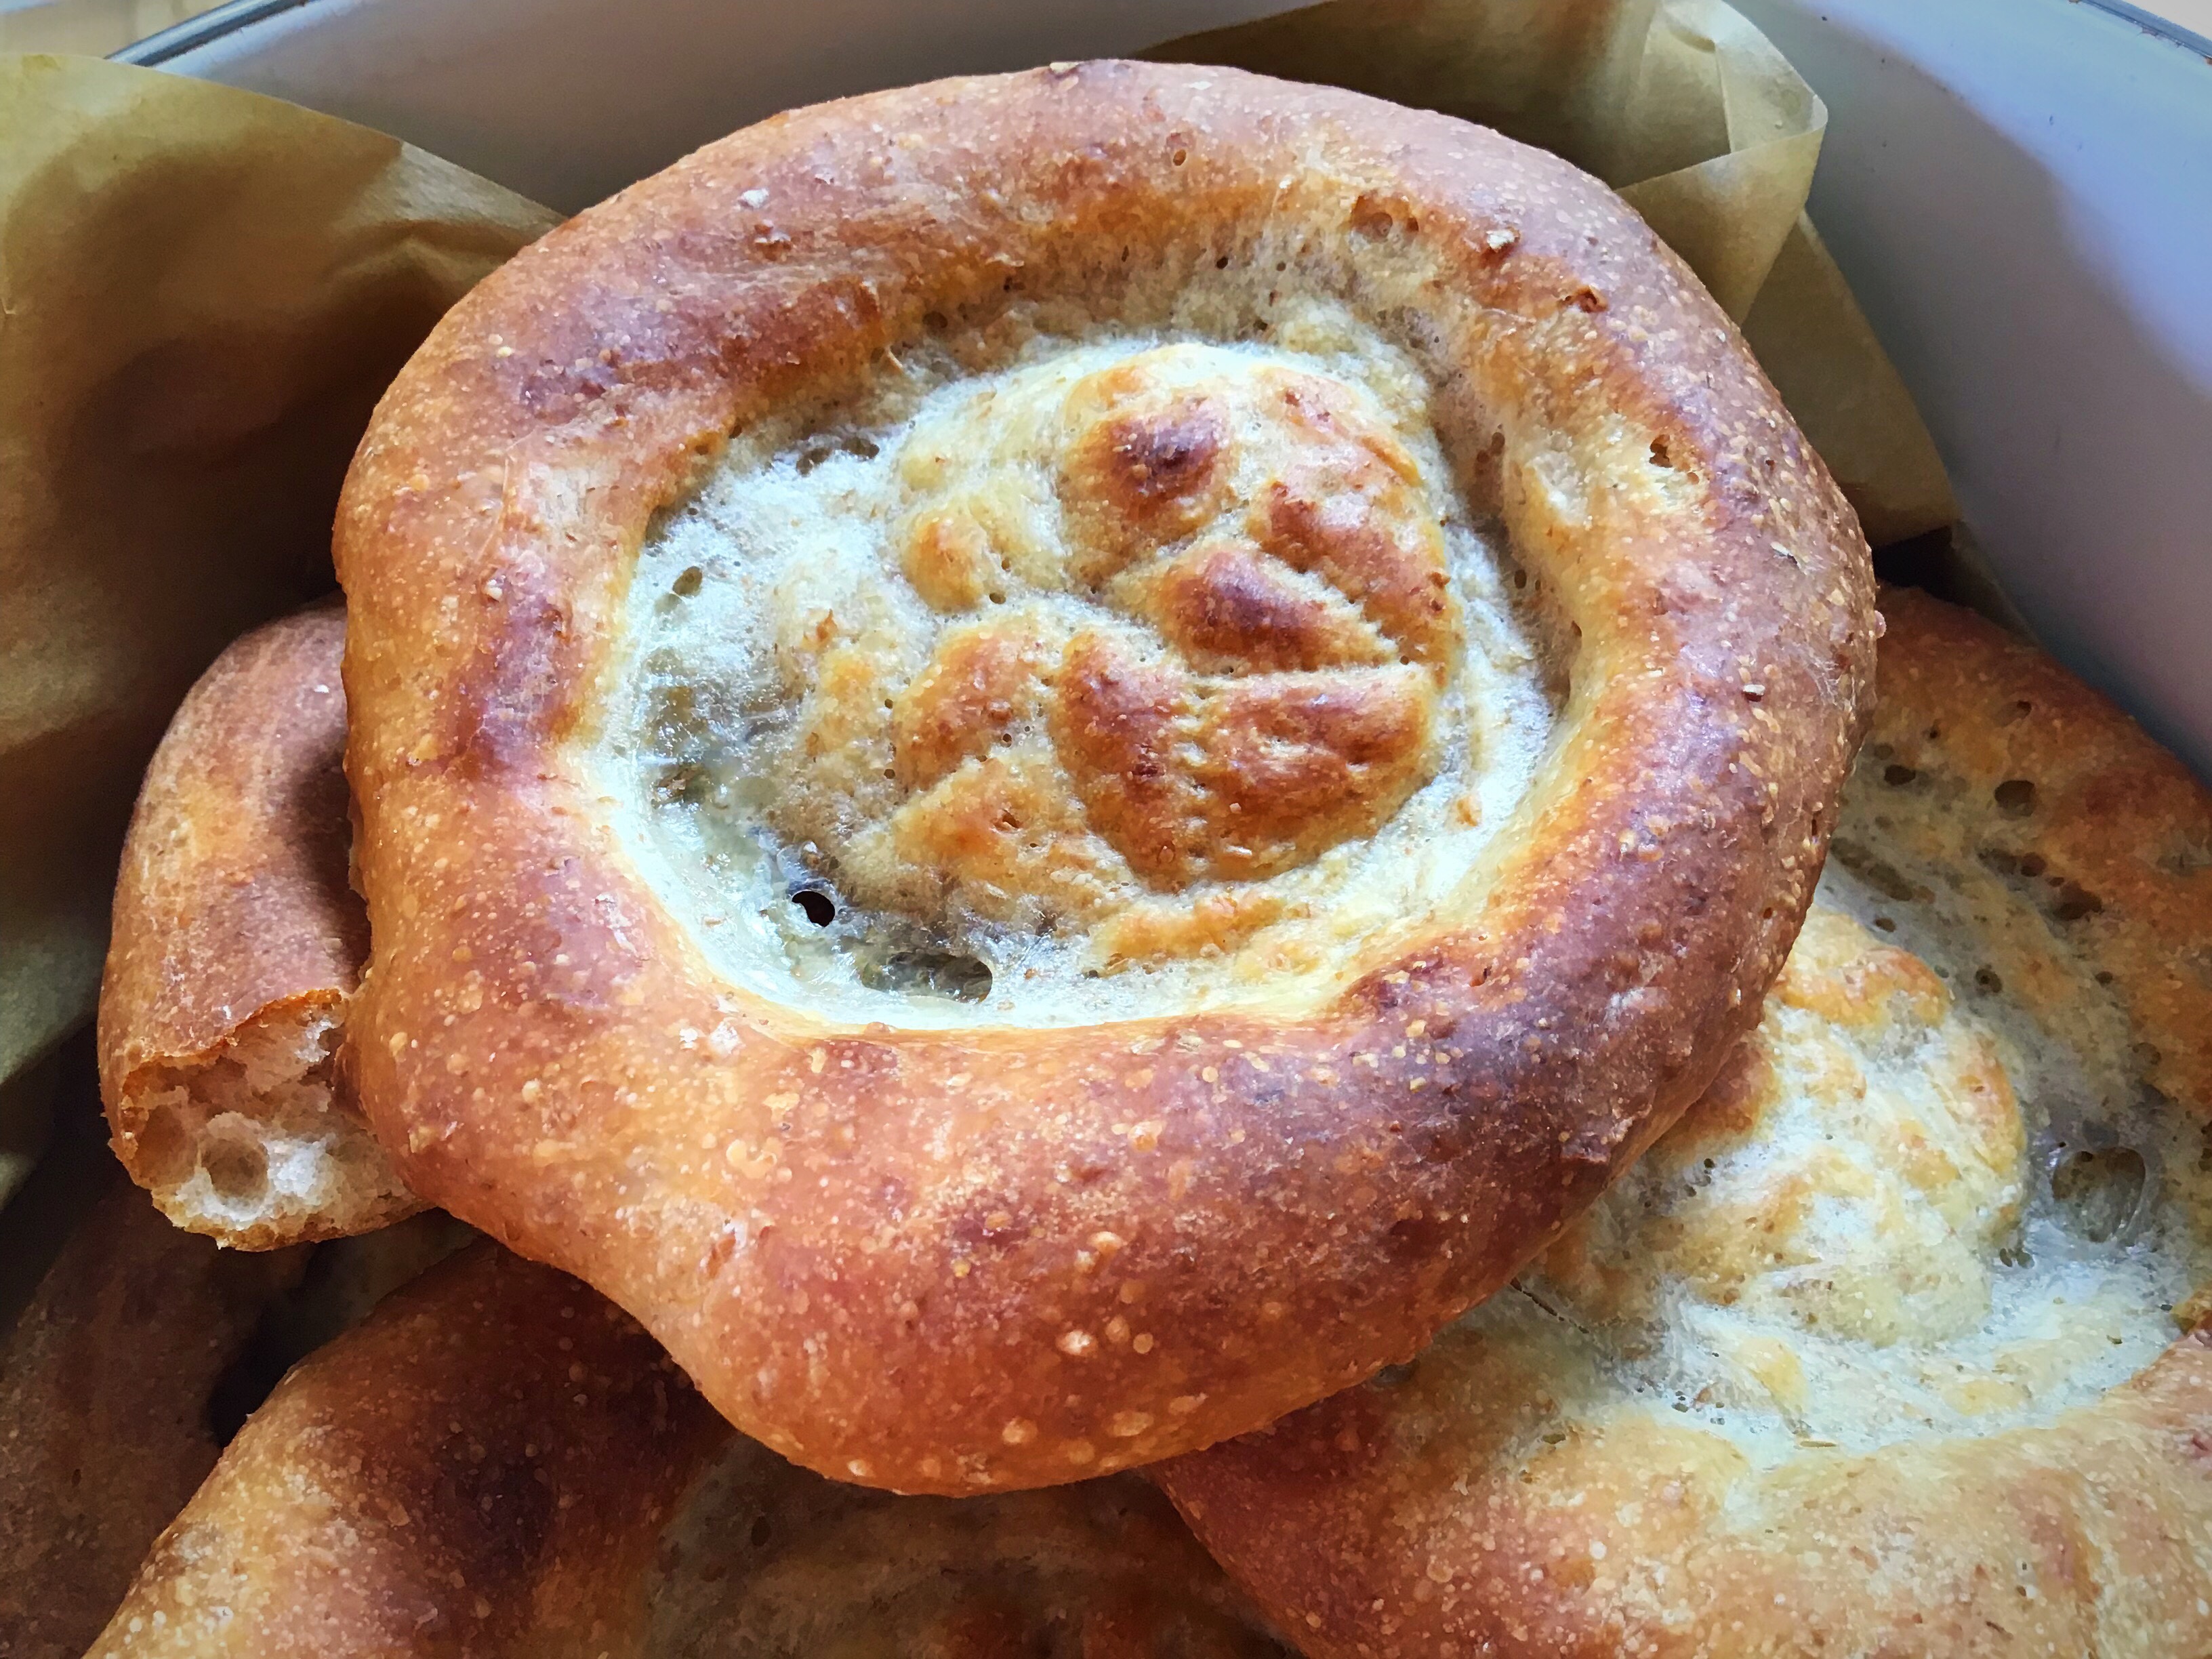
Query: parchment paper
[1686,110]
[203,291]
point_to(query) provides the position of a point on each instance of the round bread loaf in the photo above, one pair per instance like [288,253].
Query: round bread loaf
[1045,763]
[498,1463]
[141,1354]
[236,945]
[1894,1345]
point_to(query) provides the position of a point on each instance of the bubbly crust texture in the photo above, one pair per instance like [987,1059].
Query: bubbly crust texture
[498,1463]
[989,1252]
[236,946]
[106,1386]
[1895,1343]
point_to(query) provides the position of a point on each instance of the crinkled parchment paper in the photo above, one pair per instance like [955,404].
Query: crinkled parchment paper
[1687,111]
[203,291]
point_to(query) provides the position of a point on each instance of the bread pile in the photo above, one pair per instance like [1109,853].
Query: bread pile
[1897,1342]
[1114,770]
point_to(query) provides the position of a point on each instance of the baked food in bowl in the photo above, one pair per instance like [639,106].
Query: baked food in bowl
[497,1462]
[1295,659]
[1896,1343]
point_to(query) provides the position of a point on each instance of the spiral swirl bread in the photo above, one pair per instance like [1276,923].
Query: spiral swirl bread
[1045,763]
[498,1463]
[1894,1344]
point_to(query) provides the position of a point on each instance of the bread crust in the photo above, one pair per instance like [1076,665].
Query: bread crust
[236,945]
[498,1463]
[493,1435]
[106,1386]
[1401,1520]
[950,1261]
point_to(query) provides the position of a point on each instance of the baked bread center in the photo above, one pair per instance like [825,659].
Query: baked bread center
[1149,653]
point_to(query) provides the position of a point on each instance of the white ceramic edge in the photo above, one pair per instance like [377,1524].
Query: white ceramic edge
[2020,192]
[567,101]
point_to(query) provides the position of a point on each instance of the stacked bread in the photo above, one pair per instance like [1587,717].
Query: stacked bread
[1114,770]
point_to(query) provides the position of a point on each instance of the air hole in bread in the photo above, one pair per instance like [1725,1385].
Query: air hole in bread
[2100,1192]
[2186,858]
[165,1143]
[2015,797]
[235,1165]
[1878,873]
[816,905]
[2073,902]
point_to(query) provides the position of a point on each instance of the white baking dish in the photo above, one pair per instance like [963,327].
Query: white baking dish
[2021,192]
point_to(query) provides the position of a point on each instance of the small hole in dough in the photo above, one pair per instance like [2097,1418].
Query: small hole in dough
[2099,1191]
[819,908]
[165,1150]
[236,1168]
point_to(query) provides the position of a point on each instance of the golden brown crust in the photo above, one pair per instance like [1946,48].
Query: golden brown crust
[1971,1553]
[2108,831]
[235,948]
[1493,1496]
[498,1462]
[885,1251]
[105,1388]
[480,1466]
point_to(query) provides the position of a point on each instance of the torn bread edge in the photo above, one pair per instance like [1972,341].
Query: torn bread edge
[237,944]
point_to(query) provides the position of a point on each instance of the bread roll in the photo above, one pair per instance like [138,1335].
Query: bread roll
[236,946]
[500,1463]
[110,1384]
[1896,1343]
[1045,763]
[142,1352]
